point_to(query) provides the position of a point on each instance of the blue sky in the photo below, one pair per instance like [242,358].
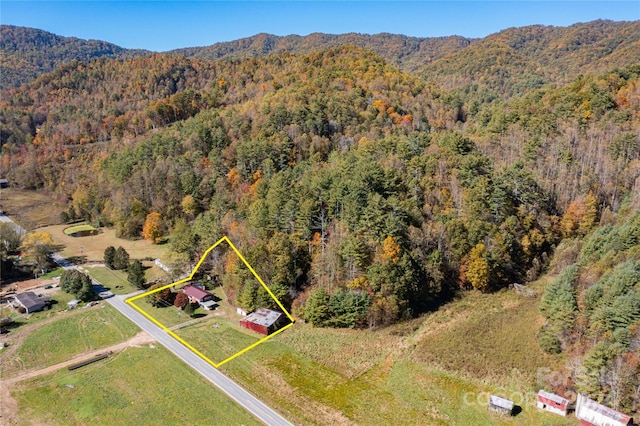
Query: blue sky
[165,25]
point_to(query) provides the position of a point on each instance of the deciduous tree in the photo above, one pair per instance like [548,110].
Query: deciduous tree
[38,246]
[152,230]
[181,301]
[478,268]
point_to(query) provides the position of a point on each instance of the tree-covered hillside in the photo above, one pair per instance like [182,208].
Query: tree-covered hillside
[407,53]
[517,60]
[26,53]
[363,194]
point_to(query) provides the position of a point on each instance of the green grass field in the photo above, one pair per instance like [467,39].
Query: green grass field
[116,281]
[436,370]
[52,274]
[58,341]
[141,386]
[78,228]
[168,316]
[217,338]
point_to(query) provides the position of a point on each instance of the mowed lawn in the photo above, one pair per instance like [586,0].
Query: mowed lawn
[116,281]
[217,338]
[92,247]
[140,386]
[93,328]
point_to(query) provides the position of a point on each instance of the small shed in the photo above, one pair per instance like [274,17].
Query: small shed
[264,321]
[592,413]
[552,402]
[500,405]
[31,302]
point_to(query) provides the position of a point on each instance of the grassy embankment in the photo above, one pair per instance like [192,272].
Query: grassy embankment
[438,369]
[116,281]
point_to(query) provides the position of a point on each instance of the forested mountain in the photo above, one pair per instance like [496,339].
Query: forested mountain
[26,53]
[513,61]
[364,194]
[502,64]
[407,53]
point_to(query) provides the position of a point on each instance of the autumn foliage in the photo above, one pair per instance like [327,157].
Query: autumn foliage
[152,230]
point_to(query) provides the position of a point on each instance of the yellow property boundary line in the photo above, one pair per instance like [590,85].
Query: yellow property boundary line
[189,278]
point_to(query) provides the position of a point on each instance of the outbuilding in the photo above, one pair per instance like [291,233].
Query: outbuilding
[591,413]
[264,321]
[500,405]
[31,302]
[551,402]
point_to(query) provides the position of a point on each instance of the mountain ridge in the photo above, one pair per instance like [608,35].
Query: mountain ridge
[26,53]
[543,54]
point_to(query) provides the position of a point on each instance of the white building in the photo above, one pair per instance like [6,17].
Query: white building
[593,413]
[551,402]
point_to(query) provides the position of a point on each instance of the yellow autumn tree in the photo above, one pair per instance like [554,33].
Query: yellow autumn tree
[189,205]
[390,250]
[574,216]
[38,246]
[152,230]
[477,272]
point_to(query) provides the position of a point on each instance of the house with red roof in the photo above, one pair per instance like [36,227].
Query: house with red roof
[200,296]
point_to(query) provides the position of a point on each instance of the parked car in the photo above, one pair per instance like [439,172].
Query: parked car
[105,294]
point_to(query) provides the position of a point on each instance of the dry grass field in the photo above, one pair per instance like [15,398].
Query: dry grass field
[91,248]
[31,209]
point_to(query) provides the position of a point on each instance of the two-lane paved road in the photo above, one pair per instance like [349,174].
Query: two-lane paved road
[226,385]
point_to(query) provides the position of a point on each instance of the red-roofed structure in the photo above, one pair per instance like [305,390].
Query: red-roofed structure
[264,321]
[552,402]
[197,295]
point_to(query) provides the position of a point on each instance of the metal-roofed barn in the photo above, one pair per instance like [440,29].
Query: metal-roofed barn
[31,302]
[552,402]
[592,413]
[500,405]
[264,321]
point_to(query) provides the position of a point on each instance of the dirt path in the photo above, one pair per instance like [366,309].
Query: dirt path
[9,406]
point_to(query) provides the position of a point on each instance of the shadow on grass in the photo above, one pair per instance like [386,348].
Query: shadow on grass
[516,410]
[77,260]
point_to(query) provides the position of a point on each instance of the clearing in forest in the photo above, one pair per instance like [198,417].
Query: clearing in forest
[221,340]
